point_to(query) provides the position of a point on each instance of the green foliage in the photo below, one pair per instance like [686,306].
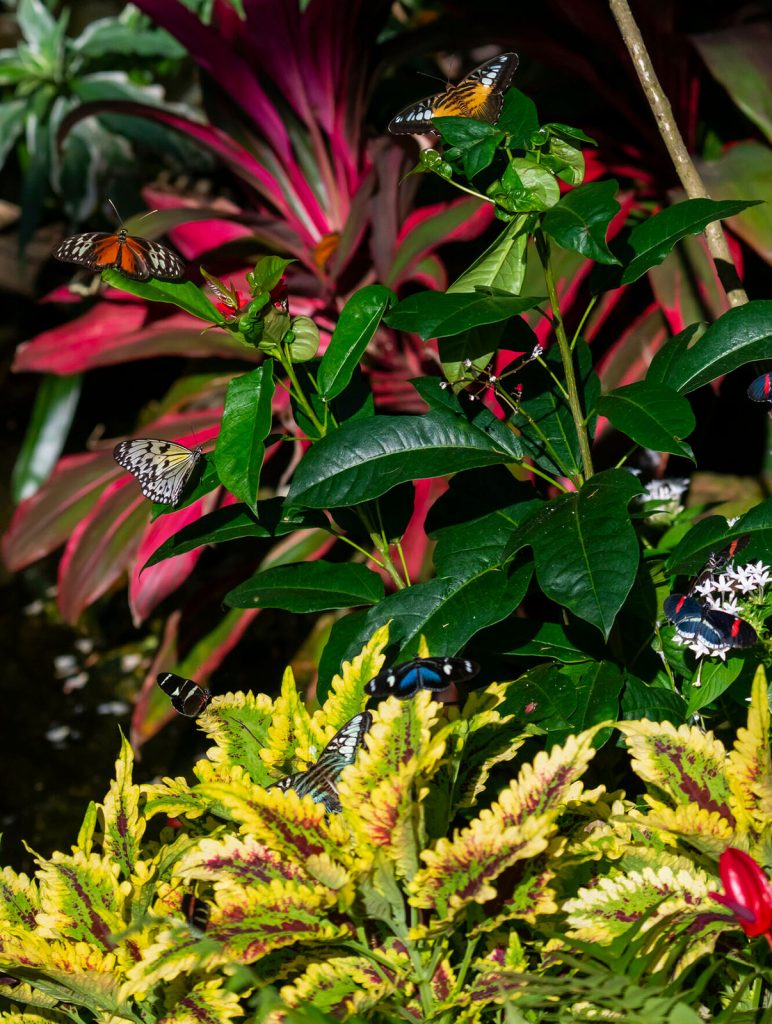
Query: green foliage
[430,894]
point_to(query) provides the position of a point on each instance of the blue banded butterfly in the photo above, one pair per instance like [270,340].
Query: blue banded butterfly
[716,628]
[196,912]
[479,95]
[434,674]
[321,780]
[187,697]
[162,468]
[760,389]
[135,257]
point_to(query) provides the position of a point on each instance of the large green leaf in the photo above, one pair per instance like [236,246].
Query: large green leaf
[518,118]
[585,547]
[356,325]
[713,534]
[440,315]
[501,268]
[745,170]
[652,240]
[652,415]
[364,459]
[473,142]
[246,423]
[581,219]
[311,587]
[183,294]
[52,414]
[742,335]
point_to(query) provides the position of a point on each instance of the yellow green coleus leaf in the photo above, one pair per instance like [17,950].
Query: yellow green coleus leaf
[529,898]
[208,1002]
[293,739]
[677,896]
[516,827]
[380,791]
[123,824]
[749,765]
[239,723]
[237,859]
[81,898]
[19,898]
[292,826]
[341,985]
[347,690]
[175,798]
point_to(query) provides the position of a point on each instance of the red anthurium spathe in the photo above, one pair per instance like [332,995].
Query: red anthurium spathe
[747,892]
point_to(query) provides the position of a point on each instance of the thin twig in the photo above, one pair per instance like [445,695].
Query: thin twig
[683,163]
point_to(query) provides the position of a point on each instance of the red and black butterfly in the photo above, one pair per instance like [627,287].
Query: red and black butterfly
[760,390]
[479,95]
[716,628]
[137,258]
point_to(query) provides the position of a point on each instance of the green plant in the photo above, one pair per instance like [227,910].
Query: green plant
[386,909]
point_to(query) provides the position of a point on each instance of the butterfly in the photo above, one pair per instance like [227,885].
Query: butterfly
[479,95]
[716,628]
[187,697]
[421,674]
[196,912]
[321,779]
[137,258]
[162,468]
[760,389]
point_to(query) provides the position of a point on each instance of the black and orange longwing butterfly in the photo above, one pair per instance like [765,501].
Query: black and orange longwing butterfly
[137,258]
[479,95]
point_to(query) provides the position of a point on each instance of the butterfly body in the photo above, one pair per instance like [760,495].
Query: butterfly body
[135,257]
[434,674]
[162,468]
[187,697]
[321,780]
[479,95]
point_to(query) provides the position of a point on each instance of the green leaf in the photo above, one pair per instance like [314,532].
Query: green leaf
[235,522]
[585,547]
[357,323]
[564,160]
[473,142]
[581,219]
[713,534]
[267,273]
[36,23]
[714,678]
[742,335]
[745,170]
[566,131]
[501,268]
[108,35]
[364,459]
[525,186]
[441,315]
[653,240]
[738,56]
[185,295]
[671,352]
[568,644]
[313,587]
[246,423]
[652,415]
[13,114]
[518,118]
[52,415]
[658,703]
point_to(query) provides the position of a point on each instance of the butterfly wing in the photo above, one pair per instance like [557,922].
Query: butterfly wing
[187,697]
[434,674]
[479,95]
[80,248]
[162,468]
[159,262]
[760,389]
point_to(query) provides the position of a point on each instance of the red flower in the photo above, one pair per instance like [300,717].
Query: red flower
[747,893]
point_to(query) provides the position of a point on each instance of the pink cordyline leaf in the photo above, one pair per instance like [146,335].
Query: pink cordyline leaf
[100,549]
[198,236]
[149,587]
[118,332]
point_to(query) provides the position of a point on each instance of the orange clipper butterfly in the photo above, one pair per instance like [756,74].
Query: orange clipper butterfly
[479,95]
[137,258]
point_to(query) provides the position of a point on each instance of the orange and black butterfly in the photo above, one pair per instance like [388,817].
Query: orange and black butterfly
[137,258]
[479,95]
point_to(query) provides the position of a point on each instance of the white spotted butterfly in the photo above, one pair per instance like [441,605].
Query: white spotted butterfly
[135,257]
[162,468]
[479,95]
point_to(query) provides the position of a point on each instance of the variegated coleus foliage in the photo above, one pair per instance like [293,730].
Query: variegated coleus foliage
[383,910]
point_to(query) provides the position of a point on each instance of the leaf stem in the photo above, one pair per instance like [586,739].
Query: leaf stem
[543,248]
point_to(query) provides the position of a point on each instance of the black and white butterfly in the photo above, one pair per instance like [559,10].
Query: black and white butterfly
[162,468]
[321,779]
[196,912]
[187,697]
[135,257]
[434,674]
[479,95]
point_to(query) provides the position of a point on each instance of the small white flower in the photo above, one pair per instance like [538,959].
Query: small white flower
[724,584]
[706,588]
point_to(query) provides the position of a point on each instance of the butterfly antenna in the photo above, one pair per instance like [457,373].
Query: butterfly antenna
[436,78]
[115,210]
[148,214]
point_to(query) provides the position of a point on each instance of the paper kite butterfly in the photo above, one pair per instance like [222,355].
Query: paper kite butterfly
[321,779]
[187,697]
[479,95]
[137,258]
[435,674]
[162,468]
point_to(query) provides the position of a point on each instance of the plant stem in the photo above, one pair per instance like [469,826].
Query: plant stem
[297,391]
[381,546]
[543,248]
[671,136]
